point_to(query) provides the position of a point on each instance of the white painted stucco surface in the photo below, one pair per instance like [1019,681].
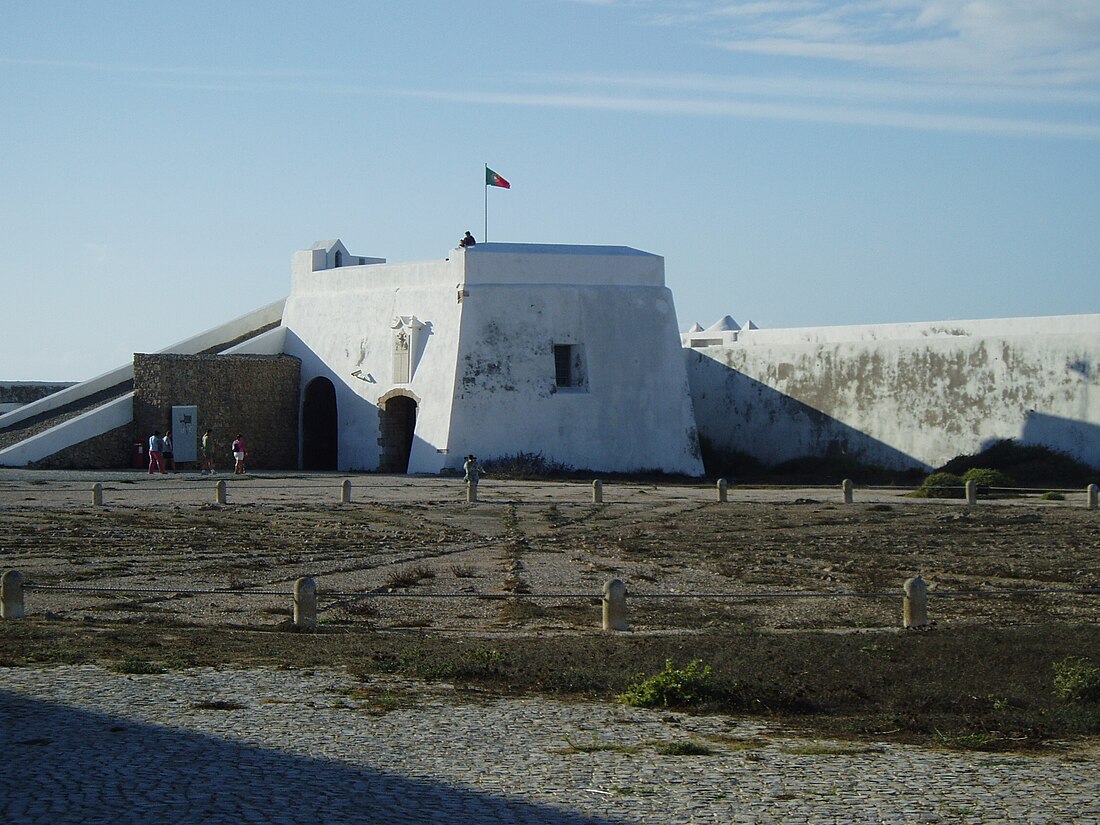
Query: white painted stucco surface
[633,414]
[339,323]
[903,395]
[483,376]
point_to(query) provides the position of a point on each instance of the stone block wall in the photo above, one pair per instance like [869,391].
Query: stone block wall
[254,395]
[110,451]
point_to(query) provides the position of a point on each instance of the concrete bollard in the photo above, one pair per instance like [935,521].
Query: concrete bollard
[471,490]
[614,606]
[597,492]
[219,492]
[305,603]
[915,604]
[1090,496]
[345,491]
[846,487]
[972,492]
[723,491]
[97,494]
[11,595]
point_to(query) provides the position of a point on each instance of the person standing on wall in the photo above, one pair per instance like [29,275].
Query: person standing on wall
[167,453]
[239,454]
[208,453]
[156,460]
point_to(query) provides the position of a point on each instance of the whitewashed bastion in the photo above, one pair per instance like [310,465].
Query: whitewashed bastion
[500,349]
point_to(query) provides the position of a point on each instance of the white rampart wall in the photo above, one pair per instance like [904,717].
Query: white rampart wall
[497,263]
[95,422]
[903,395]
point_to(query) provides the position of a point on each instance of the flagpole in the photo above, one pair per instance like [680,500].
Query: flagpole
[485,234]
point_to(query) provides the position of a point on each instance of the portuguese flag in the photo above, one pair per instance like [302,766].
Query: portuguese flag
[493,179]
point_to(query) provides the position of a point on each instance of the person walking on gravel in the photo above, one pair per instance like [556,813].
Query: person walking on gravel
[156,459]
[168,453]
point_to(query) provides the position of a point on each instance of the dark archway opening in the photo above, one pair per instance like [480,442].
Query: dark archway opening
[319,426]
[398,423]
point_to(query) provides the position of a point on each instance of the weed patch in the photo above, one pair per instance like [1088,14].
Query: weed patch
[598,746]
[138,666]
[672,687]
[1076,680]
[408,576]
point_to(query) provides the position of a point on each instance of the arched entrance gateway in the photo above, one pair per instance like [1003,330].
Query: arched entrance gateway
[319,426]
[396,425]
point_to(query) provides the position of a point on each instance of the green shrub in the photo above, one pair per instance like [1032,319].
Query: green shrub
[137,665]
[942,485]
[1077,680]
[671,687]
[1032,465]
[1053,496]
[988,477]
[484,662]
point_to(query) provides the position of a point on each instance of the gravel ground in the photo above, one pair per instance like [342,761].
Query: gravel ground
[401,540]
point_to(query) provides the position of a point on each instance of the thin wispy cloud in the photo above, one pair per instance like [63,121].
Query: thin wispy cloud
[1053,41]
[805,112]
[1011,67]
[1003,66]
[159,71]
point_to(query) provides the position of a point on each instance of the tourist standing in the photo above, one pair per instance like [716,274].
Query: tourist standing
[156,460]
[208,453]
[167,452]
[239,454]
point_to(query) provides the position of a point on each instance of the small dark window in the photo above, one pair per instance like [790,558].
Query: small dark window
[568,366]
[563,361]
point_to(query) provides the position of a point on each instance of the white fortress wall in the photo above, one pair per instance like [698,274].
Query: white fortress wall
[339,322]
[902,394]
[633,411]
[520,263]
[630,409]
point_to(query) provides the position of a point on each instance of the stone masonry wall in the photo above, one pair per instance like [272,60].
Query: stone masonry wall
[111,451]
[24,392]
[254,395]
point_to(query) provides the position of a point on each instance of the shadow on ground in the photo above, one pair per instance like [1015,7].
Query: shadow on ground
[65,765]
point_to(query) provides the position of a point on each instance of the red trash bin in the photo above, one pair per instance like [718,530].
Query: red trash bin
[138,458]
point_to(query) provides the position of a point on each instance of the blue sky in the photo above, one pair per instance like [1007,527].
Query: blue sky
[797,162]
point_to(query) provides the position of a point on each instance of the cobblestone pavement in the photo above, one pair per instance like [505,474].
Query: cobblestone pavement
[84,745]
